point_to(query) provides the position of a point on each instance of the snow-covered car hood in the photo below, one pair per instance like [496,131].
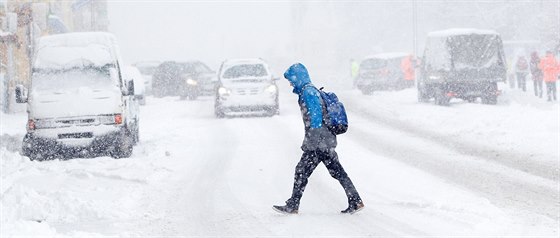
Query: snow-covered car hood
[246,82]
[81,101]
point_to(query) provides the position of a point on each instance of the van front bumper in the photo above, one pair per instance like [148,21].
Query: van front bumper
[71,143]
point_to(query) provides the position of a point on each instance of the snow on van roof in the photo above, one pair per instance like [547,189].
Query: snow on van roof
[387,55]
[461,31]
[75,50]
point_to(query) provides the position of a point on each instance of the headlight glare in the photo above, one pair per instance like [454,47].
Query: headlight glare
[191,81]
[223,91]
[272,89]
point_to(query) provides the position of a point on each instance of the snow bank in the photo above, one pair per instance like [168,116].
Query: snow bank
[38,196]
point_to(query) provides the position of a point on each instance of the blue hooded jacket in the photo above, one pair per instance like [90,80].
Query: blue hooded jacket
[308,95]
[317,136]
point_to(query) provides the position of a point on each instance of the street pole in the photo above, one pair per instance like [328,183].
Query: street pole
[11,19]
[415,28]
[415,39]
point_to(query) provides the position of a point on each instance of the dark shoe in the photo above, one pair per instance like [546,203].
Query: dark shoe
[353,208]
[285,209]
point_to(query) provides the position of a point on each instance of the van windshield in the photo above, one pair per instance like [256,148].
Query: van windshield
[474,51]
[245,70]
[70,79]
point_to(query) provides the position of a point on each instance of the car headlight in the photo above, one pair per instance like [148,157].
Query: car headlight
[272,89]
[191,81]
[223,91]
[434,77]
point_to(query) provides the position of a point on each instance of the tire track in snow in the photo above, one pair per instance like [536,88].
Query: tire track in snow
[504,186]
[508,158]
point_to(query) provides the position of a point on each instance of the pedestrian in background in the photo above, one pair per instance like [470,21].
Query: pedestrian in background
[521,71]
[407,66]
[318,146]
[536,74]
[354,71]
[550,68]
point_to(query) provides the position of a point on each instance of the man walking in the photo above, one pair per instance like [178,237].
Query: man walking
[537,74]
[550,67]
[318,145]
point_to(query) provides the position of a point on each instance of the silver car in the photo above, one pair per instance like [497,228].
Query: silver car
[246,87]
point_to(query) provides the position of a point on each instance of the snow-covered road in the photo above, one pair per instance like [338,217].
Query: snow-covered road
[422,170]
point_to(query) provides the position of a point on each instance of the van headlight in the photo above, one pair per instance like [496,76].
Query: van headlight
[191,82]
[223,91]
[272,89]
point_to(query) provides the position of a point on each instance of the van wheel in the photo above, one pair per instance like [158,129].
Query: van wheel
[489,95]
[440,97]
[123,148]
[423,95]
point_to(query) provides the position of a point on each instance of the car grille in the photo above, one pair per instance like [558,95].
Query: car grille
[247,91]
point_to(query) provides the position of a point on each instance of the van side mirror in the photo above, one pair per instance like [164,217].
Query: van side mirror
[21,94]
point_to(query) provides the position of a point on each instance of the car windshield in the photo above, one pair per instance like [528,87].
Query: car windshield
[202,68]
[147,70]
[369,64]
[74,78]
[194,68]
[245,70]
[474,51]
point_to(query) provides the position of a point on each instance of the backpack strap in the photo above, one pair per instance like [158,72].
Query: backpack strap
[323,104]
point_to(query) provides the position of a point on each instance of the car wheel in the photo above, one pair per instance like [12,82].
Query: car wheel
[193,97]
[37,157]
[219,114]
[367,90]
[136,135]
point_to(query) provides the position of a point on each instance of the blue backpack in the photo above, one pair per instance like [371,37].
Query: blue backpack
[335,117]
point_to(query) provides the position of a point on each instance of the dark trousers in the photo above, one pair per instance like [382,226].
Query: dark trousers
[521,81]
[537,86]
[308,162]
[551,90]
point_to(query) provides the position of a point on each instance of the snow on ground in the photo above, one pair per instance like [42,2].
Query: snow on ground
[422,170]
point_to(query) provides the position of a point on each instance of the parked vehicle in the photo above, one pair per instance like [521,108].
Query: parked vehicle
[462,63]
[199,74]
[185,79]
[246,86]
[78,103]
[132,73]
[381,72]
[147,69]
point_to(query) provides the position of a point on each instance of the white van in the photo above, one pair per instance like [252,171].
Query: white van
[78,102]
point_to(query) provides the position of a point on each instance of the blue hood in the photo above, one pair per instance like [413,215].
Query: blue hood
[298,76]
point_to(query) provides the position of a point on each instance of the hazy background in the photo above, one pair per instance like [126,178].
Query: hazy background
[325,35]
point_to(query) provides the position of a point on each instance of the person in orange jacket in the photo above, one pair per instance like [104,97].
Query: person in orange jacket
[550,67]
[407,66]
